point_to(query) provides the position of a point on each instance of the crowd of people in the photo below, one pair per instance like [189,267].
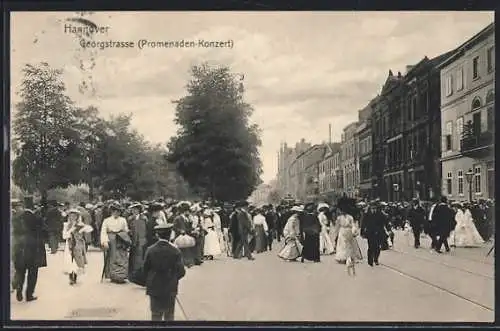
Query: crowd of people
[137,236]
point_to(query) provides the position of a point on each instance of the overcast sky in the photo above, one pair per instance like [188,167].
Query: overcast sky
[302,70]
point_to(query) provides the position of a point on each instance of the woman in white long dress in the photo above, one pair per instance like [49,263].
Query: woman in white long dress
[211,246]
[75,253]
[292,248]
[261,231]
[325,242]
[466,234]
[347,245]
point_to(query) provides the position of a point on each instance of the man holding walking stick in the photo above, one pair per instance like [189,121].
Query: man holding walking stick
[163,268]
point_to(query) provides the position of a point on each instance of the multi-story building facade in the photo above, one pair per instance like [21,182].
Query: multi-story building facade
[327,172]
[406,121]
[468,118]
[260,196]
[349,159]
[364,139]
[288,176]
[305,168]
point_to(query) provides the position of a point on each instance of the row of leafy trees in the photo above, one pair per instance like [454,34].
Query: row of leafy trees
[57,144]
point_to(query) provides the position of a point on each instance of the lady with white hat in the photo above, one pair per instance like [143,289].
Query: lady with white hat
[211,246]
[292,248]
[465,234]
[325,242]
[75,252]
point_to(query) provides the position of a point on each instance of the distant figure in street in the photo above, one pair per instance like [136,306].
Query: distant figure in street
[261,231]
[241,230]
[163,267]
[115,242]
[443,218]
[416,217]
[292,248]
[87,219]
[29,251]
[54,225]
[347,250]
[374,231]
[75,251]
[183,226]
[310,229]
[137,224]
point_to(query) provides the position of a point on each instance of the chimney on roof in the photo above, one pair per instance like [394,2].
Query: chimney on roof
[399,74]
[390,72]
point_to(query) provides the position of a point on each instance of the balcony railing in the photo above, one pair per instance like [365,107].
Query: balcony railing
[476,145]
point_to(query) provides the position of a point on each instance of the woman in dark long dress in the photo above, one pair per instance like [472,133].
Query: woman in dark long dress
[310,229]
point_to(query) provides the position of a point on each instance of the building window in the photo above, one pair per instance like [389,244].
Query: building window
[475,68]
[449,135]
[460,79]
[460,129]
[490,97]
[449,85]
[425,96]
[490,119]
[460,177]
[491,59]
[476,103]
[477,179]
[449,183]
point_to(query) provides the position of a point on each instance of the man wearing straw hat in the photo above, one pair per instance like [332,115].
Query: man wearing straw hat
[163,268]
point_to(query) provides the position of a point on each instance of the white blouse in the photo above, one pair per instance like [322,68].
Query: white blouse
[260,220]
[112,224]
[66,234]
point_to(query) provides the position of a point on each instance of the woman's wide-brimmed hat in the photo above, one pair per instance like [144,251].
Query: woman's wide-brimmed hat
[322,205]
[115,206]
[297,209]
[135,205]
[74,211]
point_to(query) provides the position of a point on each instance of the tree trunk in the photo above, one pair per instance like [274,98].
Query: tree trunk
[91,190]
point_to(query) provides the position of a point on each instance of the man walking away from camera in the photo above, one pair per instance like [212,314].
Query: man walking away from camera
[163,268]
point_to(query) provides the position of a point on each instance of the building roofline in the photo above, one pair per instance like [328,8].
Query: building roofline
[468,44]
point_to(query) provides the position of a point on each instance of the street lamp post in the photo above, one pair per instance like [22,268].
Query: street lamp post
[468,176]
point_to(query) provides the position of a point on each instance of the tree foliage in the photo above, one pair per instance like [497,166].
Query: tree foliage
[57,144]
[45,141]
[216,149]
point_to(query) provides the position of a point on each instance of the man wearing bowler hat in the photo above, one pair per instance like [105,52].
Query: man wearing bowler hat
[163,268]
[29,250]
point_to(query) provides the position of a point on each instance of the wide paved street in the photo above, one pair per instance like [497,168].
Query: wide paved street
[409,285]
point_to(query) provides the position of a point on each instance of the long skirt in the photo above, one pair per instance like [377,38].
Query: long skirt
[325,243]
[211,245]
[197,250]
[347,246]
[136,262]
[187,256]
[310,251]
[260,239]
[222,241]
[291,250]
[77,262]
[117,261]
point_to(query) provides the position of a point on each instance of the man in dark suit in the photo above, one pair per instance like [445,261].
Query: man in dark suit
[373,229]
[163,268]
[29,251]
[271,224]
[54,225]
[444,218]
[416,217]
[242,228]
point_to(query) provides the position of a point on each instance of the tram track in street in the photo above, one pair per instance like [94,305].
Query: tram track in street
[440,288]
[444,264]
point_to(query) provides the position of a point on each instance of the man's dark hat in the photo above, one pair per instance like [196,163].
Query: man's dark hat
[240,204]
[309,207]
[156,206]
[29,202]
[163,226]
